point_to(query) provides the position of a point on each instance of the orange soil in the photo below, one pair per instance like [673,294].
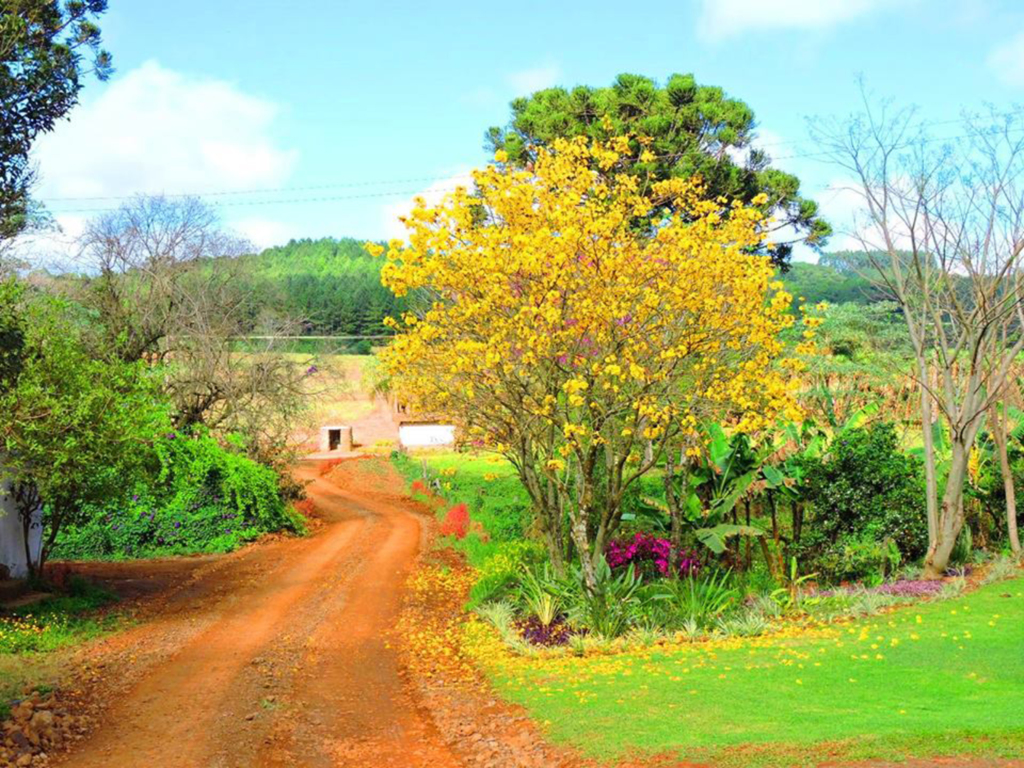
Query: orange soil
[273,656]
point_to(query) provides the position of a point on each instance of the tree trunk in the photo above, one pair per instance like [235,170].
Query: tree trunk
[931,490]
[587,561]
[749,558]
[26,531]
[951,513]
[999,436]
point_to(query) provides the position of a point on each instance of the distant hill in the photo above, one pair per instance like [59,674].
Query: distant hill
[820,282]
[332,286]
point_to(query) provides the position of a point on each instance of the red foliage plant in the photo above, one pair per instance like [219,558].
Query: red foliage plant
[305,507]
[419,488]
[456,522]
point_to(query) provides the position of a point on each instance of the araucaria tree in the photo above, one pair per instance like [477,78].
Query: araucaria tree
[579,319]
[694,130]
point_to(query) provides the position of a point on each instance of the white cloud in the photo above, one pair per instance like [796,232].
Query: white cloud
[264,233]
[395,229]
[527,81]
[1007,61]
[152,131]
[768,141]
[155,130]
[724,18]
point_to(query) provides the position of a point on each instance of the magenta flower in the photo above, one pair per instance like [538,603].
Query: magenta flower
[645,549]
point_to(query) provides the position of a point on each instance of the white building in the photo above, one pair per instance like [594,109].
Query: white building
[12,540]
[426,435]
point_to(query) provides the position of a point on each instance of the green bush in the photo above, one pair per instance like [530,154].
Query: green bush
[853,558]
[863,490]
[205,498]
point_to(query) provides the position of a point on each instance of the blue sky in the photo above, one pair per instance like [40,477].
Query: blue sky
[370,103]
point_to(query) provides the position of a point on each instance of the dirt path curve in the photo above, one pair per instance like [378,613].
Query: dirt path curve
[280,656]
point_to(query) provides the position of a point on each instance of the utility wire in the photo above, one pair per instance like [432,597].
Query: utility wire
[404,193]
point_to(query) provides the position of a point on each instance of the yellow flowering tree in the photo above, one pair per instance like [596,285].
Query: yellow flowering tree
[583,321]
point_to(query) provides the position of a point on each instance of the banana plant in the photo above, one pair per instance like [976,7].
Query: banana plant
[705,491]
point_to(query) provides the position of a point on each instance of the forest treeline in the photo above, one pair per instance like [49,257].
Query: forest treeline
[328,286]
[332,286]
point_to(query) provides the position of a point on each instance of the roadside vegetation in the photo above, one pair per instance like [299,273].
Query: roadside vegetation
[723,505]
[659,499]
[30,636]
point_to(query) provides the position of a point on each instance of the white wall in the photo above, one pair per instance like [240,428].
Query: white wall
[12,543]
[426,435]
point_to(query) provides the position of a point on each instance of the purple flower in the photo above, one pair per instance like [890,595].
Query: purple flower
[645,548]
[910,588]
[311,370]
[555,633]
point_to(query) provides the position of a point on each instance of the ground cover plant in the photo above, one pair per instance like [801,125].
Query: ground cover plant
[942,677]
[29,635]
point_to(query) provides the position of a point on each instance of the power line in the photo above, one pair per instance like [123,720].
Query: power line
[415,180]
[269,190]
[285,201]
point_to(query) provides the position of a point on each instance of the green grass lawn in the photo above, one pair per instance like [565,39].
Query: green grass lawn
[938,678]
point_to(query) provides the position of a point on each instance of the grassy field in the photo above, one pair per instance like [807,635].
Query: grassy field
[30,636]
[336,392]
[938,678]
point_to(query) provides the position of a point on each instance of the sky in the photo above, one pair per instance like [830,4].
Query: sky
[323,118]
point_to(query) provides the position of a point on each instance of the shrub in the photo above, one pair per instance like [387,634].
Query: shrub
[536,632]
[206,498]
[456,522]
[503,569]
[701,600]
[859,558]
[863,490]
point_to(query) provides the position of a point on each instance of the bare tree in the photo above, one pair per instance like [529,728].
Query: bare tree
[168,289]
[149,255]
[949,218]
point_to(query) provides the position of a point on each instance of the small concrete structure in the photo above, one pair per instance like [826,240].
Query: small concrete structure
[336,438]
[425,435]
[12,537]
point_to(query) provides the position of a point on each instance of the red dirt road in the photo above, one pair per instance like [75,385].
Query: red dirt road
[277,655]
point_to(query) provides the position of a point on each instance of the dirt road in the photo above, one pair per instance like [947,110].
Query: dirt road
[278,655]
